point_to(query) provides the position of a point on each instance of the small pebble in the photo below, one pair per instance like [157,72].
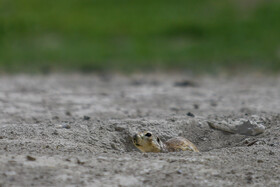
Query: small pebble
[271,153]
[184,83]
[114,146]
[68,113]
[55,132]
[66,126]
[196,106]
[213,103]
[179,171]
[86,118]
[145,155]
[30,158]
[190,114]
[80,162]
[55,118]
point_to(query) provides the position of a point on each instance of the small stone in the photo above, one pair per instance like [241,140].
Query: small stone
[66,126]
[184,83]
[172,119]
[30,158]
[252,143]
[196,106]
[36,120]
[104,94]
[68,113]
[240,126]
[137,82]
[13,162]
[179,171]
[120,128]
[190,114]
[80,162]
[271,153]
[55,132]
[86,118]
[213,103]
[249,179]
[55,118]
[174,109]
[145,155]
[114,146]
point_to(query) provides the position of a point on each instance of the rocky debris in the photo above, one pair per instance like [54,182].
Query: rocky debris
[240,126]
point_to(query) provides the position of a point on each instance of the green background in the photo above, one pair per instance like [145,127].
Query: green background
[132,35]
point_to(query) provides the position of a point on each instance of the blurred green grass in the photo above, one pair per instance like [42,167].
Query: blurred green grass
[96,35]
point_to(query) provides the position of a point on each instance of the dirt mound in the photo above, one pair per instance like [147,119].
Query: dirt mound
[76,130]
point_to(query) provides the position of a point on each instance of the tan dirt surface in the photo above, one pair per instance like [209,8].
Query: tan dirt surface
[75,130]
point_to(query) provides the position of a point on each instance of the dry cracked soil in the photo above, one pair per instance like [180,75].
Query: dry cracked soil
[75,130]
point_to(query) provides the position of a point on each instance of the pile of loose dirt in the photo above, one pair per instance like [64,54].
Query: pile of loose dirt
[76,130]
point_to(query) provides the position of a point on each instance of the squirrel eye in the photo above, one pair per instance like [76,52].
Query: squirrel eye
[148,134]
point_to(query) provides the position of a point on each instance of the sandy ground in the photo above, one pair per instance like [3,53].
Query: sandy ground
[74,130]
